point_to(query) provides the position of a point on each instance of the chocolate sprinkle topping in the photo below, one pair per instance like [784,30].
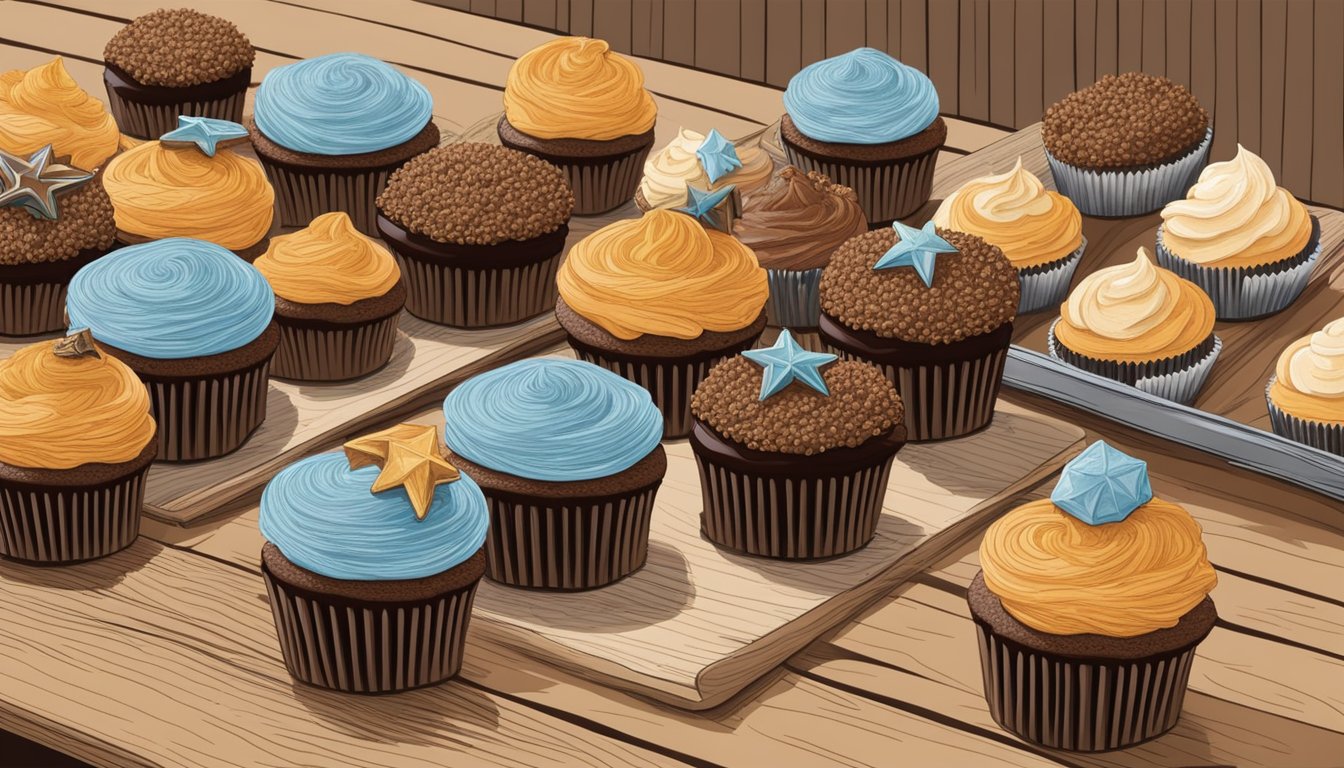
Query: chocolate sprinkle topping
[84,221]
[1125,121]
[179,47]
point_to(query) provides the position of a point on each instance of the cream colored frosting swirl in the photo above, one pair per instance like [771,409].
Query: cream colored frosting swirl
[668,171]
[328,262]
[577,88]
[61,412]
[46,106]
[1235,215]
[1309,377]
[1058,574]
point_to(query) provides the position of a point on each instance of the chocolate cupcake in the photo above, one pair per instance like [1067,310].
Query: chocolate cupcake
[794,450]
[332,129]
[708,162]
[76,440]
[176,62]
[189,184]
[569,459]
[39,254]
[371,562]
[793,226]
[934,309]
[44,106]
[1089,607]
[478,230]
[1127,144]
[1306,394]
[338,295]
[869,122]
[660,300]
[194,323]
[575,103]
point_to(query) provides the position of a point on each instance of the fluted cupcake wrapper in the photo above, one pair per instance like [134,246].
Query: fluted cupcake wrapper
[1316,434]
[1129,193]
[209,416]
[469,297]
[60,525]
[886,192]
[1240,293]
[27,309]
[369,647]
[1081,705]
[1047,286]
[795,298]
[303,195]
[1175,379]
[150,121]
[333,354]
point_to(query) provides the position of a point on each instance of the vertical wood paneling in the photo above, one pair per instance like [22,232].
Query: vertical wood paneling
[844,26]
[611,22]
[1057,74]
[1154,37]
[509,10]
[562,15]
[1203,73]
[540,13]
[483,7]
[1002,83]
[753,40]
[641,28]
[679,31]
[1327,165]
[1273,53]
[1129,36]
[813,24]
[875,26]
[1298,98]
[718,36]
[914,34]
[973,50]
[1248,74]
[1225,100]
[581,17]
[783,20]
[945,27]
[1178,40]
[1107,35]
[1085,41]
[1029,54]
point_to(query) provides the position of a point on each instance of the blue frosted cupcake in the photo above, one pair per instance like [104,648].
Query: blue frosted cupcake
[869,122]
[569,459]
[194,322]
[371,561]
[330,130]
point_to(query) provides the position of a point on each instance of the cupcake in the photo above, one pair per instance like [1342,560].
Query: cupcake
[40,253]
[194,323]
[179,187]
[575,103]
[1127,144]
[1089,607]
[478,230]
[45,107]
[660,300]
[1306,394]
[934,310]
[1040,231]
[332,129]
[569,459]
[707,162]
[371,562]
[793,226]
[76,440]
[173,62]
[1141,325]
[869,122]
[794,450]
[1245,240]
[338,295]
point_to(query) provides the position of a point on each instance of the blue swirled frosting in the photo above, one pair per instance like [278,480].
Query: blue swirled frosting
[551,419]
[340,104]
[171,299]
[861,97]
[323,517]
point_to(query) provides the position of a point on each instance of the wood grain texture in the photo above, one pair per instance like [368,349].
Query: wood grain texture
[718,33]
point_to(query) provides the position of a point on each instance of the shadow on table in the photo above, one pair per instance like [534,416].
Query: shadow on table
[425,717]
[103,573]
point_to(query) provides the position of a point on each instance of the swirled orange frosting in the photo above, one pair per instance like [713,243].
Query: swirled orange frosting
[665,275]
[1058,574]
[160,192]
[328,262]
[61,412]
[1135,312]
[1013,210]
[1309,377]
[45,106]
[577,88]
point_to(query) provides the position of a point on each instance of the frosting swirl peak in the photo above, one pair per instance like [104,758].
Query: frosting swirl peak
[861,97]
[1309,376]
[577,88]
[46,106]
[671,169]
[328,262]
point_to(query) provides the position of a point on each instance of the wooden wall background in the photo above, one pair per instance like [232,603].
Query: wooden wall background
[1271,71]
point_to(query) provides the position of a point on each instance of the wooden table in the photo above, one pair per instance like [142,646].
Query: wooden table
[141,660]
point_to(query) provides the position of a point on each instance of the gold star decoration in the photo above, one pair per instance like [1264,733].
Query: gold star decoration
[409,456]
[76,345]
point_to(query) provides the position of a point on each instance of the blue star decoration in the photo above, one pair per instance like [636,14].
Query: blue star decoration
[1102,485]
[787,362]
[704,207]
[918,248]
[33,182]
[204,133]
[717,156]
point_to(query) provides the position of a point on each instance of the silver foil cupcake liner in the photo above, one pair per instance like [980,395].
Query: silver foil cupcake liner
[150,121]
[468,297]
[886,192]
[27,309]
[1180,385]
[1315,434]
[60,525]
[1129,193]
[1047,286]
[209,416]
[1239,293]
[304,195]
[333,354]
[795,298]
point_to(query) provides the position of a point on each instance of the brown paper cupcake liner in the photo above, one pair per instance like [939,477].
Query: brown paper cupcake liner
[567,544]
[795,299]
[1130,192]
[1178,379]
[27,309]
[56,525]
[150,121]
[337,353]
[369,647]
[207,417]
[471,297]
[1316,434]
[1046,286]
[303,195]
[1082,705]
[886,192]
[600,183]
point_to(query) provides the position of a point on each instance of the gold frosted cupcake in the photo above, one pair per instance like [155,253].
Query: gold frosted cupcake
[1242,238]
[45,106]
[1141,325]
[575,103]
[1040,231]
[1306,394]
[338,295]
[707,162]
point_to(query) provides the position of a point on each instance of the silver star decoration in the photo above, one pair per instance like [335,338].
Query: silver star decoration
[33,182]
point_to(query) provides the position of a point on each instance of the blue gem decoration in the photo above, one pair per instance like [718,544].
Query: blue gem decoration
[787,362]
[204,133]
[1102,485]
[918,248]
[717,156]
[701,205]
